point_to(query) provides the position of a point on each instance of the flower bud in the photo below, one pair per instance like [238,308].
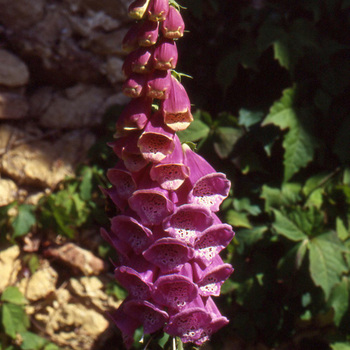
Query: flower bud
[148,33]
[177,108]
[158,10]
[130,41]
[138,61]
[158,85]
[134,86]
[165,55]
[135,115]
[138,8]
[173,26]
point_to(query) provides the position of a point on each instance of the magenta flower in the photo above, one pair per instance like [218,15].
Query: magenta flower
[156,141]
[147,34]
[134,86]
[138,61]
[177,108]
[158,10]
[158,85]
[187,222]
[131,39]
[173,26]
[165,55]
[138,8]
[209,188]
[175,290]
[170,172]
[135,115]
[167,235]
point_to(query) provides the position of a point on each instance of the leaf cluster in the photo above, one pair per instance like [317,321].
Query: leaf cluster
[15,324]
[281,70]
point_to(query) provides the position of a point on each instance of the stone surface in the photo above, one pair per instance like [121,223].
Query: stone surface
[13,106]
[71,324]
[10,266]
[13,71]
[40,284]
[8,191]
[32,157]
[77,107]
[91,288]
[78,258]
[66,41]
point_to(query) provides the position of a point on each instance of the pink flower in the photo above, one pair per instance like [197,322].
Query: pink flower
[138,8]
[165,55]
[173,26]
[167,235]
[158,10]
[177,108]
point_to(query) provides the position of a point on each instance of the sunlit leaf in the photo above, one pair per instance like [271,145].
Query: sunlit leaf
[12,295]
[326,261]
[14,319]
[339,300]
[24,220]
[31,341]
[237,219]
[298,143]
[286,227]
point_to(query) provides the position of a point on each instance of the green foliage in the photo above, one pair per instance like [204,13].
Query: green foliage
[15,324]
[282,76]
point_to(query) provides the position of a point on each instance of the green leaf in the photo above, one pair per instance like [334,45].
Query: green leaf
[288,195]
[326,261]
[298,143]
[339,300]
[286,227]
[313,182]
[225,139]
[340,346]
[163,340]
[51,346]
[248,118]
[13,295]
[244,204]
[86,184]
[31,341]
[282,53]
[341,229]
[195,132]
[14,319]
[238,219]
[301,251]
[24,220]
[115,289]
[315,199]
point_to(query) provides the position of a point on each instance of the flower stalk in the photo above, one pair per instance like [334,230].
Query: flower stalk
[167,234]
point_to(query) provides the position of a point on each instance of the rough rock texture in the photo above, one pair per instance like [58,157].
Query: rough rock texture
[72,108]
[72,39]
[8,191]
[13,106]
[60,69]
[77,258]
[33,157]
[40,284]
[10,265]
[74,317]
[13,72]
